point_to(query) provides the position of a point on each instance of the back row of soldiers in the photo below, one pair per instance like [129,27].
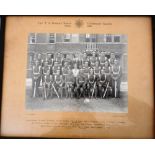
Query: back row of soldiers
[89,77]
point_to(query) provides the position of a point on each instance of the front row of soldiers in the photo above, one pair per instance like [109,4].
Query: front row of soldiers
[88,82]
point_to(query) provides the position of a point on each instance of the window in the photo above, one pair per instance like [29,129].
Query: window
[108,38]
[93,38]
[51,38]
[67,37]
[87,37]
[32,38]
[116,38]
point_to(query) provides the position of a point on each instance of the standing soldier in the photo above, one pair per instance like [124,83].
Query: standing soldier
[59,59]
[47,89]
[40,60]
[50,61]
[112,59]
[36,76]
[102,83]
[85,58]
[65,70]
[69,84]
[86,69]
[93,60]
[116,75]
[107,72]
[45,70]
[55,68]
[81,84]
[97,70]
[58,84]
[102,59]
[92,84]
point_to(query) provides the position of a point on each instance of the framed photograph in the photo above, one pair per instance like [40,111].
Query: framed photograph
[77,76]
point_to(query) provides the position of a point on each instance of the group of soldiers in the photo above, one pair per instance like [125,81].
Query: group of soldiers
[91,76]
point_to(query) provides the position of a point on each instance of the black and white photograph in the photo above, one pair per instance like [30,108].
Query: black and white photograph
[77,72]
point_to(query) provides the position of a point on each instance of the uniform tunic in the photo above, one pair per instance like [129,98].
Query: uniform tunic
[102,60]
[111,61]
[116,72]
[93,61]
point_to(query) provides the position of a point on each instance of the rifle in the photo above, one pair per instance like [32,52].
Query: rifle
[34,92]
[45,95]
[106,90]
[55,91]
[93,89]
[115,88]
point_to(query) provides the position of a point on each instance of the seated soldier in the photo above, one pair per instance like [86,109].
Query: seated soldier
[58,84]
[75,71]
[81,81]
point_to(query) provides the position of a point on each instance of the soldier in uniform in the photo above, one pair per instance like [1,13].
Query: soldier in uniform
[85,58]
[102,83]
[40,60]
[97,70]
[55,68]
[69,84]
[116,75]
[59,59]
[86,71]
[58,84]
[93,60]
[81,81]
[75,72]
[40,63]
[50,61]
[65,70]
[36,76]
[102,59]
[107,72]
[47,85]
[45,70]
[92,84]
[112,59]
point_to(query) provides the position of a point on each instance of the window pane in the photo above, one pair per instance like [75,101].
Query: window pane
[67,37]
[51,38]
[116,38]
[32,38]
[108,38]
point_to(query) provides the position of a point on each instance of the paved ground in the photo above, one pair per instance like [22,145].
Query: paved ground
[79,105]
